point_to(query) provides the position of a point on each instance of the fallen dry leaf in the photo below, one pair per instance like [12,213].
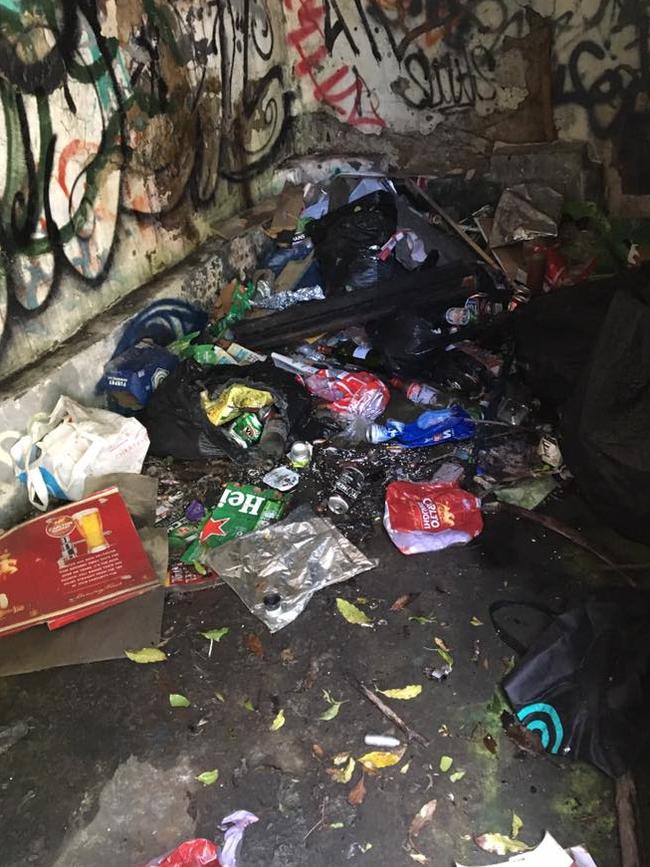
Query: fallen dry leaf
[490,744]
[376,760]
[404,600]
[287,656]
[357,793]
[254,645]
[342,775]
[318,751]
[499,844]
[423,816]
[419,857]
[413,690]
[441,644]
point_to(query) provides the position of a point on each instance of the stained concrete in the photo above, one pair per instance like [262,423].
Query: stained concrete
[106,774]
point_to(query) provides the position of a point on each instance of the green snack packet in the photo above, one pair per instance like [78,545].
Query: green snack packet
[241,304]
[240,510]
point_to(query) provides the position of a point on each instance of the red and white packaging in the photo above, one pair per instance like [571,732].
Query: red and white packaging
[358,395]
[430,516]
[191,853]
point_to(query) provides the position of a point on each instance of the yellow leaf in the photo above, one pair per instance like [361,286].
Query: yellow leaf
[219,697]
[441,644]
[352,614]
[404,694]
[404,769]
[340,759]
[147,654]
[376,760]
[248,704]
[343,775]
[456,776]
[278,722]
[517,825]
[476,622]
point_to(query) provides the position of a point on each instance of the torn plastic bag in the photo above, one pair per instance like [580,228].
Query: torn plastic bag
[358,394]
[429,516]
[205,853]
[606,420]
[179,427]
[583,684]
[348,240]
[191,853]
[276,571]
[431,428]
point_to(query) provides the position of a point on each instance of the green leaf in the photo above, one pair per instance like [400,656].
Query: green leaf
[448,658]
[216,634]
[334,706]
[404,694]
[248,704]
[456,776]
[517,825]
[147,654]
[336,825]
[352,614]
[178,700]
[499,844]
[278,722]
[445,763]
[208,778]
[200,568]
[422,620]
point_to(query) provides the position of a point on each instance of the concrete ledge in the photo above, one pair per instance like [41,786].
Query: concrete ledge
[77,365]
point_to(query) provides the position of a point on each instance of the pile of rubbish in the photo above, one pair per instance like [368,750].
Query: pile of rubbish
[383,364]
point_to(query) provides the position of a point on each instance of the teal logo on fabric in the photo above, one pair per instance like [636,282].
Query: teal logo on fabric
[543,718]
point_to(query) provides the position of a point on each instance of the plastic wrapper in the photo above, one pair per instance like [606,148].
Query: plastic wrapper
[276,571]
[431,428]
[351,394]
[426,516]
[282,300]
[232,401]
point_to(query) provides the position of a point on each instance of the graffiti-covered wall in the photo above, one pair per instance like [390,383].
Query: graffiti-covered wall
[494,69]
[126,128]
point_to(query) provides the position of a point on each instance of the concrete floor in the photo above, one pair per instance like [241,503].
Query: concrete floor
[106,772]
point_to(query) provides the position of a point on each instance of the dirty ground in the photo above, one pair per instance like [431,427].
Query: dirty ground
[106,773]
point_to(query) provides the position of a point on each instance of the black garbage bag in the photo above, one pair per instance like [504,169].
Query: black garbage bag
[582,685]
[347,242]
[179,428]
[605,428]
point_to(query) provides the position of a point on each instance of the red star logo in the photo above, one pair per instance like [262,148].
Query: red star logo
[213,527]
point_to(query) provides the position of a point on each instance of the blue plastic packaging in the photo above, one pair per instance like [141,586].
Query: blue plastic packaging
[432,428]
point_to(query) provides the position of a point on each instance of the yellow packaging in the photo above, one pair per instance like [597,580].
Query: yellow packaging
[233,401]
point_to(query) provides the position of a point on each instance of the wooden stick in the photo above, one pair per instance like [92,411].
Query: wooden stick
[629,822]
[390,714]
[462,234]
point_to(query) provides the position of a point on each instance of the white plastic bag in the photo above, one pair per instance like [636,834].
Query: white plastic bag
[74,444]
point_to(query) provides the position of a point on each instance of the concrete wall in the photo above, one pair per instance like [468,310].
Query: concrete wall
[127,127]
[440,80]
